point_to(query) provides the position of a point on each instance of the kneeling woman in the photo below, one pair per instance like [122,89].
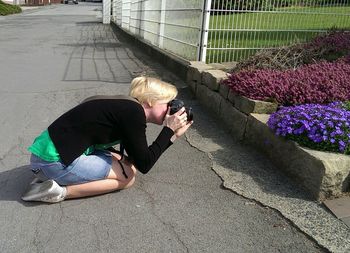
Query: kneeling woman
[75,158]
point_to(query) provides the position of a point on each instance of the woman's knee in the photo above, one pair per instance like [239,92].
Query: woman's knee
[129,173]
[130,182]
[123,171]
[128,178]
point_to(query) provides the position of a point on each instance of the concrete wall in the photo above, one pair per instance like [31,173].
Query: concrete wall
[18,2]
[39,2]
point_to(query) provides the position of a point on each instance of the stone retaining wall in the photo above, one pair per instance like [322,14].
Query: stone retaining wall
[322,174]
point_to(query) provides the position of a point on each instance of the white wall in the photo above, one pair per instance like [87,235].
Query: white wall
[14,1]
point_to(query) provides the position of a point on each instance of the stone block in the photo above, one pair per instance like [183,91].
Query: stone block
[195,70]
[224,90]
[247,105]
[193,87]
[229,65]
[233,119]
[194,74]
[210,99]
[212,78]
[224,66]
[200,65]
[336,179]
[231,96]
[190,80]
[322,174]
[217,66]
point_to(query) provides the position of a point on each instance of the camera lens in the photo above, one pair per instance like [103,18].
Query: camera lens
[177,104]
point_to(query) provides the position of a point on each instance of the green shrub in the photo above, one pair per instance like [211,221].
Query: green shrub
[241,5]
[6,9]
[346,105]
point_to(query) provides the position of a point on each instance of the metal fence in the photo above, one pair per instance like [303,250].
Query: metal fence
[238,28]
[228,30]
[171,25]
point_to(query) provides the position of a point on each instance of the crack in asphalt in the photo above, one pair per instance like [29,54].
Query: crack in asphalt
[36,242]
[305,216]
[170,227]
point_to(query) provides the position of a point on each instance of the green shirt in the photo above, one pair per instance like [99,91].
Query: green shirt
[44,148]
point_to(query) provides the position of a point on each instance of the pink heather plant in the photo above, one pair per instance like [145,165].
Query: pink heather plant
[331,45]
[320,83]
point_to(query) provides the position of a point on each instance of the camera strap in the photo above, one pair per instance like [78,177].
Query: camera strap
[119,161]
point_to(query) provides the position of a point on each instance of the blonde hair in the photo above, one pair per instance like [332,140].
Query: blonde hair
[150,90]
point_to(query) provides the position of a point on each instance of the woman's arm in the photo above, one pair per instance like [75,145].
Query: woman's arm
[135,143]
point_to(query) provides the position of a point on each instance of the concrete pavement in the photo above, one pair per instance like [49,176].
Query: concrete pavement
[54,57]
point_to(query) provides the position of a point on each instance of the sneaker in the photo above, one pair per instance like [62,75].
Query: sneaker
[35,181]
[48,191]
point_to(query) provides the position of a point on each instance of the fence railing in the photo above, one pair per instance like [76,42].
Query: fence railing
[171,25]
[228,30]
[238,28]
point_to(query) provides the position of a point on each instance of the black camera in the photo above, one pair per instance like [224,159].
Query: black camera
[176,105]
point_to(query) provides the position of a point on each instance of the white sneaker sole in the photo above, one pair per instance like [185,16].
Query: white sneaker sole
[47,191]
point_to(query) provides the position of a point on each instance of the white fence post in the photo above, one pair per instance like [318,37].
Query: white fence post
[106,12]
[162,25]
[202,52]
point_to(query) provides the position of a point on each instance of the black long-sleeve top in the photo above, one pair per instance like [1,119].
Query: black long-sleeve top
[103,121]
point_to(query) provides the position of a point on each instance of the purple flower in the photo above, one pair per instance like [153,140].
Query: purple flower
[317,126]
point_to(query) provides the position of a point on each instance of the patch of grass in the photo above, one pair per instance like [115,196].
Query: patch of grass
[7,9]
[256,41]
[346,105]
[253,31]
[286,18]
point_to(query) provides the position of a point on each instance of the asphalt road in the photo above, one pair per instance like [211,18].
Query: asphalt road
[52,58]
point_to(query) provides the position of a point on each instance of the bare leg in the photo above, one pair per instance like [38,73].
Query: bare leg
[115,181]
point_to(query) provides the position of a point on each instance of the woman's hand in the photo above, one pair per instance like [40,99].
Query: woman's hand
[176,121]
[180,131]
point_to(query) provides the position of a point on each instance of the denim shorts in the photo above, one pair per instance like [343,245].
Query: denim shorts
[85,168]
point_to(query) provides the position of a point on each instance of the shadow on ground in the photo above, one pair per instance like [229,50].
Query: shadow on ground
[14,183]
